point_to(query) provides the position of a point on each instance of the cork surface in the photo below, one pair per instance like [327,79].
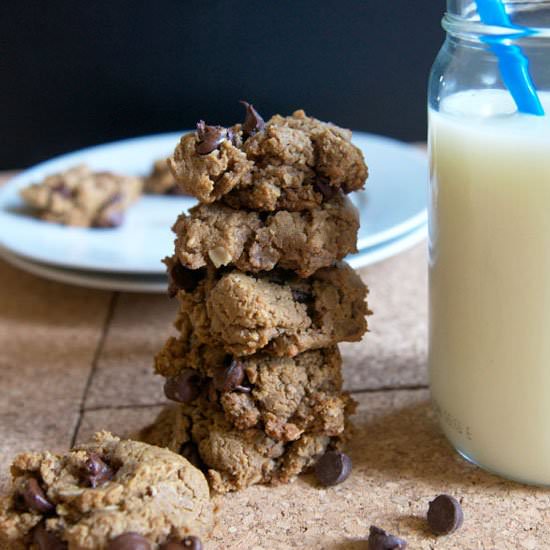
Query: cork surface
[75,361]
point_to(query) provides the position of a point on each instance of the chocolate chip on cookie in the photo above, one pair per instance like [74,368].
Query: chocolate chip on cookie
[109,220]
[129,541]
[301,296]
[209,138]
[380,540]
[35,499]
[327,190]
[95,471]
[181,277]
[444,515]
[47,540]
[231,377]
[183,388]
[332,468]
[62,189]
[253,122]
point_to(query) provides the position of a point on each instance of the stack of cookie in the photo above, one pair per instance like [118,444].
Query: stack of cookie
[264,298]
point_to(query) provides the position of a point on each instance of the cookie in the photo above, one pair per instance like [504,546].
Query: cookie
[161,180]
[83,198]
[290,163]
[303,242]
[287,396]
[276,311]
[234,459]
[89,496]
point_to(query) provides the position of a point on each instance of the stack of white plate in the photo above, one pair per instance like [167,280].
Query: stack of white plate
[128,258]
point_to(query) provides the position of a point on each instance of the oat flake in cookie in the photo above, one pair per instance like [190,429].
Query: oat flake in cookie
[110,488]
[83,198]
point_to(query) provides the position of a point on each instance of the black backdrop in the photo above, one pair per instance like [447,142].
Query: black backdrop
[75,72]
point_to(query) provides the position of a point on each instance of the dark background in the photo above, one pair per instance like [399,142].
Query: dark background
[76,73]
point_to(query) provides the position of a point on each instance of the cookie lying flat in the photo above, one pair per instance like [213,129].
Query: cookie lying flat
[233,459]
[276,312]
[161,180]
[300,241]
[289,163]
[287,396]
[86,498]
[83,198]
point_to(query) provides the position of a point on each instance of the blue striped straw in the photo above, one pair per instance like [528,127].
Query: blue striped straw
[514,65]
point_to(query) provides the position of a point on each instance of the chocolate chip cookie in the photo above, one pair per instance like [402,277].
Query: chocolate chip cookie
[99,495]
[289,163]
[276,311]
[215,234]
[83,198]
[286,396]
[161,180]
[234,458]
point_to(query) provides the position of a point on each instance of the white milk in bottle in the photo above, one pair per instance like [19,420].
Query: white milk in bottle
[489,353]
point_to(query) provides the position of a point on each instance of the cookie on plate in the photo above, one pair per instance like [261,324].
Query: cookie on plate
[161,180]
[83,198]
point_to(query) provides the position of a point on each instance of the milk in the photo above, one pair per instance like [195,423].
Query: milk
[490,281]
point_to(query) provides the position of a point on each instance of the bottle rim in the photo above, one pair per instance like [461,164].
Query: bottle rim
[469,25]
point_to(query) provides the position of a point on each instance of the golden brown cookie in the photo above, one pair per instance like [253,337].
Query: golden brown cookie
[291,163]
[214,234]
[234,459]
[161,181]
[287,396]
[275,311]
[83,198]
[86,498]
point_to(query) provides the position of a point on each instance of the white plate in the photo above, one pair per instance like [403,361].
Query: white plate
[393,203]
[158,283]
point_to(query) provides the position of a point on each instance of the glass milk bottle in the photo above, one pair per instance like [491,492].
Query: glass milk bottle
[489,338]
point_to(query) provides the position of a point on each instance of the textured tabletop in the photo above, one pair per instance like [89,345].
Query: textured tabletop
[75,361]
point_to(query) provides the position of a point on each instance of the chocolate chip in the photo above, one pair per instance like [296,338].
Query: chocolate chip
[209,137]
[129,541]
[35,499]
[380,540]
[328,191]
[444,515]
[253,122]
[182,278]
[63,190]
[46,540]
[301,296]
[95,471]
[333,468]
[183,388]
[188,543]
[109,220]
[194,543]
[231,377]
